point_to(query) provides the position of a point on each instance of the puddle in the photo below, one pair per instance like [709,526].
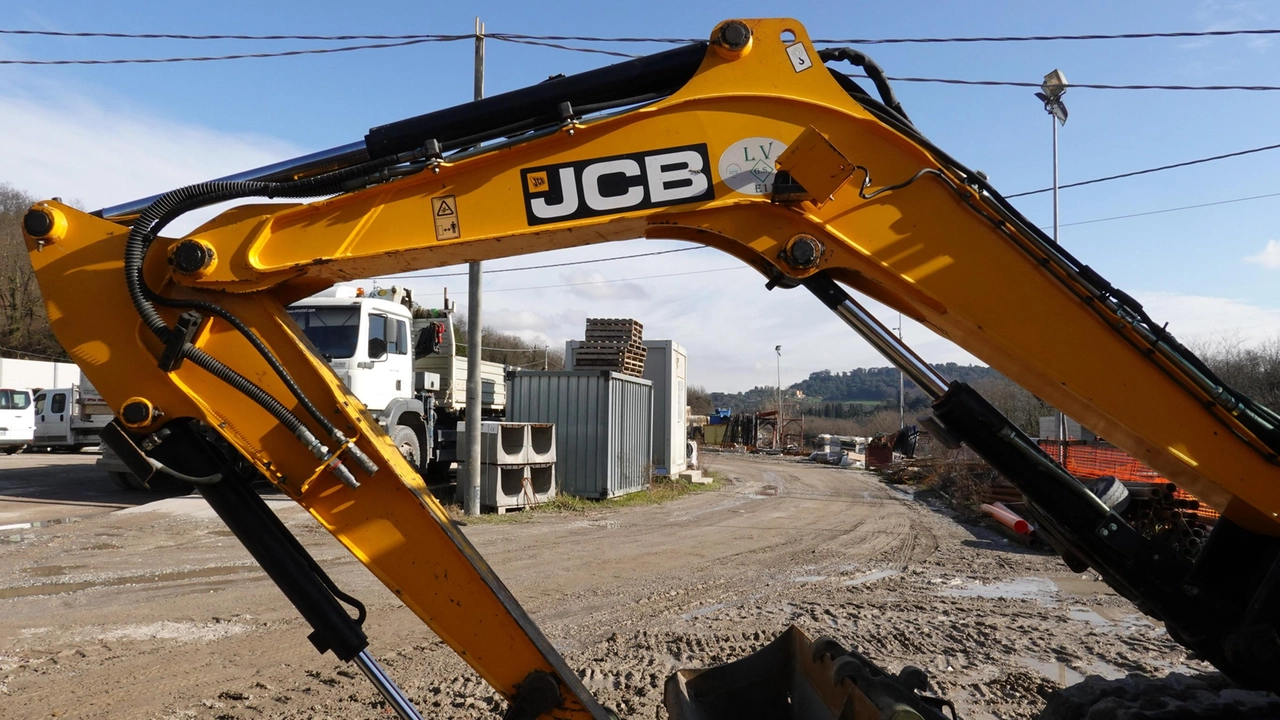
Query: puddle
[50,570]
[1057,672]
[872,577]
[37,524]
[1041,590]
[702,611]
[62,588]
[1087,615]
[809,578]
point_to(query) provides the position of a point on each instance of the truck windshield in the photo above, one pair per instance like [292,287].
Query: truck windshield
[333,330]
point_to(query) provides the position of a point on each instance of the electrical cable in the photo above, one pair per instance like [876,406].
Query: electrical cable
[552,265]
[1169,210]
[1146,171]
[557,46]
[242,56]
[618,280]
[591,38]
[178,36]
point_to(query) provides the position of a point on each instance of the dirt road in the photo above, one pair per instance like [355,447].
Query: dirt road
[156,612]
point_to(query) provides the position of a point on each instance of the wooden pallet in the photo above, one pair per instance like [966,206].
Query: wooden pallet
[614,330]
[593,349]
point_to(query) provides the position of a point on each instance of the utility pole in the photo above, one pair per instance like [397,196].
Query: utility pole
[1052,90]
[471,496]
[902,386]
[777,424]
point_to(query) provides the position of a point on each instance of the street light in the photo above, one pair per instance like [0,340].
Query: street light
[1053,88]
[777,423]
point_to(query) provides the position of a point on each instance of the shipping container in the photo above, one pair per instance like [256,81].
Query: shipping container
[604,427]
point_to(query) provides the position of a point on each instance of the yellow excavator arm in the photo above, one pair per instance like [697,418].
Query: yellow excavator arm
[747,143]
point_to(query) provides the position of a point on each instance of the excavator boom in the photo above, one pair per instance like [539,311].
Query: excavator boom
[747,143]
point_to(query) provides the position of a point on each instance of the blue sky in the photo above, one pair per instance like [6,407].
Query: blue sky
[105,135]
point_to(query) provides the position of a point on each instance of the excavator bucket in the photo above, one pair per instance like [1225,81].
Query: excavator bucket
[794,678]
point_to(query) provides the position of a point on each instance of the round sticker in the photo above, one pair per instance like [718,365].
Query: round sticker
[747,166]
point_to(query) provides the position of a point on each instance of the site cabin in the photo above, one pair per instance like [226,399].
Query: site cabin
[69,418]
[17,420]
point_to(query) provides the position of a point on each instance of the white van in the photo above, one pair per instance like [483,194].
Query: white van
[17,420]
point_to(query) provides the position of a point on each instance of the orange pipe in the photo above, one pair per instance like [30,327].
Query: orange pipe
[1008,518]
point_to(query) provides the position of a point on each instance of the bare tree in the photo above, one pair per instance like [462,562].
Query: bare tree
[1251,369]
[24,326]
[1020,406]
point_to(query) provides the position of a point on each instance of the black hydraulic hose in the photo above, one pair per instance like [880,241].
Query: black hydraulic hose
[873,70]
[173,204]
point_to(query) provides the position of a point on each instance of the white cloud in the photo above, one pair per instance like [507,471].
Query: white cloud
[591,285]
[56,143]
[1268,258]
[1196,318]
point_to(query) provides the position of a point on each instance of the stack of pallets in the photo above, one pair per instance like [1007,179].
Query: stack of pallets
[612,344]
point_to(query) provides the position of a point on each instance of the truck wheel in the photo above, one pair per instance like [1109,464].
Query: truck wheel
[406,441]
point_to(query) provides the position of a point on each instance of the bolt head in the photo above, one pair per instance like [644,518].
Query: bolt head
[734,35]
[37,223]
[804,251]
[191,256]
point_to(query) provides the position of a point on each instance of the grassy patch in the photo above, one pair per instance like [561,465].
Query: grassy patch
[662,489]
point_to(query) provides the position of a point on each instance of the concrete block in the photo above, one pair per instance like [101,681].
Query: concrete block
[501,443]
[506,487]
[542,443]
[694,476]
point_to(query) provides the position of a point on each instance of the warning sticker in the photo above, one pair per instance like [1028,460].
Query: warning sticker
[445,211]
[799,57]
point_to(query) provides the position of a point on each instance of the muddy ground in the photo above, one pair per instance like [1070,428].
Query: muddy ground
[154,611]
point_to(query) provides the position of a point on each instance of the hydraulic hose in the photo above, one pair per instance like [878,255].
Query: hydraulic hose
[171,205]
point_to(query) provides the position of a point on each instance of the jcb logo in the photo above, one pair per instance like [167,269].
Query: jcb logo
[604,186]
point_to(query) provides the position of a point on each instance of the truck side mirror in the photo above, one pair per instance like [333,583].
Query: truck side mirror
[377,348]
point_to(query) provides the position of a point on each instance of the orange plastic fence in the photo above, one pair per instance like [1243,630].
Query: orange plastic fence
[1091,461]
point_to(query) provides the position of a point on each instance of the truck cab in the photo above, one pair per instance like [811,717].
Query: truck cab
[17,420]
[69,418]
[367,341]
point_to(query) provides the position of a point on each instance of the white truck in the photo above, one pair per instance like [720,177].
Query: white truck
[17,420]
[402,362]
[69,418]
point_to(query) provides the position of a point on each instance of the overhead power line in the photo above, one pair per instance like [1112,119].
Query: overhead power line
[614,280]
[669,40]
[556,265]
[1169,210]
[1146,171]
[1041,38]
[242,56]
[1087,86]
[176,36]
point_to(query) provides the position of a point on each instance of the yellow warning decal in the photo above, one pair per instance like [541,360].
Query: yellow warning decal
[445,211]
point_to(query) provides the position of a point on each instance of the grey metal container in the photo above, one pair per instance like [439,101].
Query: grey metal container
[604,430]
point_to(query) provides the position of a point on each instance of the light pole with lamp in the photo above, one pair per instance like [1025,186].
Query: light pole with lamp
[1052,90]
[777,423]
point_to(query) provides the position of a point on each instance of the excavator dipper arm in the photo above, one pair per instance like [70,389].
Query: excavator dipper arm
[748,144]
